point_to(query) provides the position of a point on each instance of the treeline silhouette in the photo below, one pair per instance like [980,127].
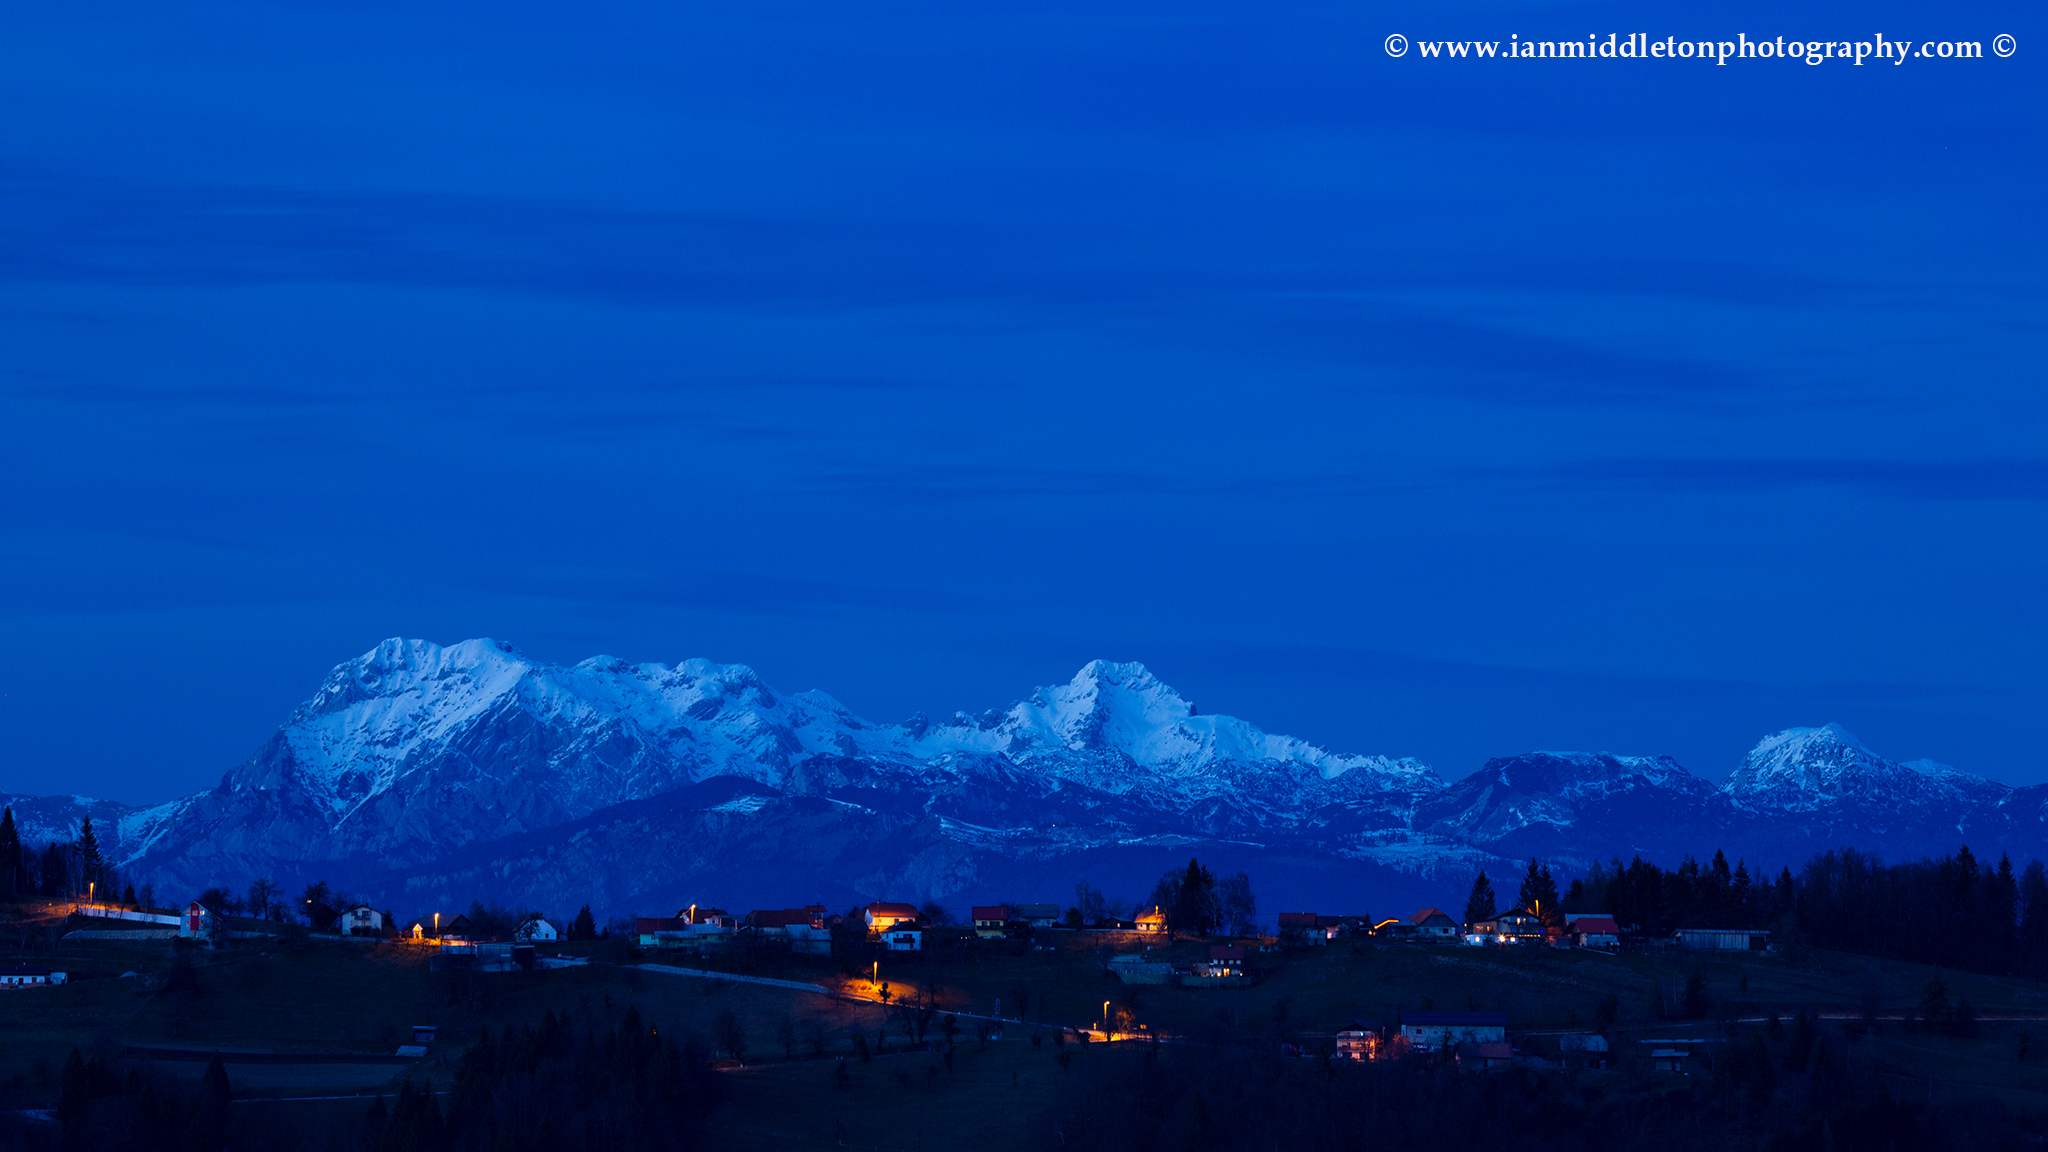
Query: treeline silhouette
[98,1109]
[1185,1098]
[552,1086]
[1657,900]
[1955,911]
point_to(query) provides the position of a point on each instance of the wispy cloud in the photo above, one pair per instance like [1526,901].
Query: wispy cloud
[2009,479]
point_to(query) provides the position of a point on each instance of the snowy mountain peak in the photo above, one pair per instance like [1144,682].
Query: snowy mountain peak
[1118,728]
[1107,706]
[1800,767]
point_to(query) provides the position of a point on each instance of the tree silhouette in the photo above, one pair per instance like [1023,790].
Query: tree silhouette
[1194,908]
[1481,904]
[11,862]
[90,866]
[584,926]
[1538,896]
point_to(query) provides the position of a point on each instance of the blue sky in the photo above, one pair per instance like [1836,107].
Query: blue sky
[922,353]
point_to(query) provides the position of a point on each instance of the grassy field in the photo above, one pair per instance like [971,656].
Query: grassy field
[334,997]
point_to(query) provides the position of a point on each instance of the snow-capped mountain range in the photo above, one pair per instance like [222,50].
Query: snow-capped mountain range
[422,776]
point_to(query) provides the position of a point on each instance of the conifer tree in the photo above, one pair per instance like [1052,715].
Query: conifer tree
[1539,892]
[56,872]
[1482,904]
[10,855]
[90,866]
[1195,908]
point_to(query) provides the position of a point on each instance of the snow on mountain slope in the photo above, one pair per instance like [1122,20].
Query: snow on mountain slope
[607,731]
[1118,729]
[471,762]
[1802,770]
[414,749]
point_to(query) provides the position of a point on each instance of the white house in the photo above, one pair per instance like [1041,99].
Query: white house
[361,920]
[1431,1031]
[536,928]
[882,916]
[27,977]
[904,938]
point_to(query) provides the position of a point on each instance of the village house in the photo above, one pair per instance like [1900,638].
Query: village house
[362,920]
[536,927]
[804,930]
[691,929]
[1039,915]
[1434,1031]
[1224,968]
[1434,924]
[989,920]
[881,917]
[1514,927]
[654,931]
[1593,930]
[1356,1044]
[26,976]
[1582,1050]
[1683,1054]
[1153,923]
[1482,1055]
[1394,929]
[904,936]
[1307,927]
[1724,939]
[1138,968]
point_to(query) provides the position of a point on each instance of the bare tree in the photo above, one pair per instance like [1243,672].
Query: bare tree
[1240,907]
[262,895]
[732,1036]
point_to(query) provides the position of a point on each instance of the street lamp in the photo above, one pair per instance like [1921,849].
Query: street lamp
[1105,1019]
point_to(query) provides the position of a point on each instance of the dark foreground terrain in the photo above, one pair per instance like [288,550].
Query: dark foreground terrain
[308,1034]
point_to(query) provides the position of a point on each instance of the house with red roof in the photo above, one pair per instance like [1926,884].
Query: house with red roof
[1594,931]
[1434,924]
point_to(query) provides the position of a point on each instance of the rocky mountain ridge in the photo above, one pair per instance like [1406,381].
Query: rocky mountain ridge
[421,775]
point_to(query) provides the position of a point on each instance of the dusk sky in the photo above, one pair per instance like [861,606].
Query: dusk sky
[921,353]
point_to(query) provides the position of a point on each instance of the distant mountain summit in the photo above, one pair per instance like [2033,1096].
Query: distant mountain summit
[422,775]
[1801,769]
